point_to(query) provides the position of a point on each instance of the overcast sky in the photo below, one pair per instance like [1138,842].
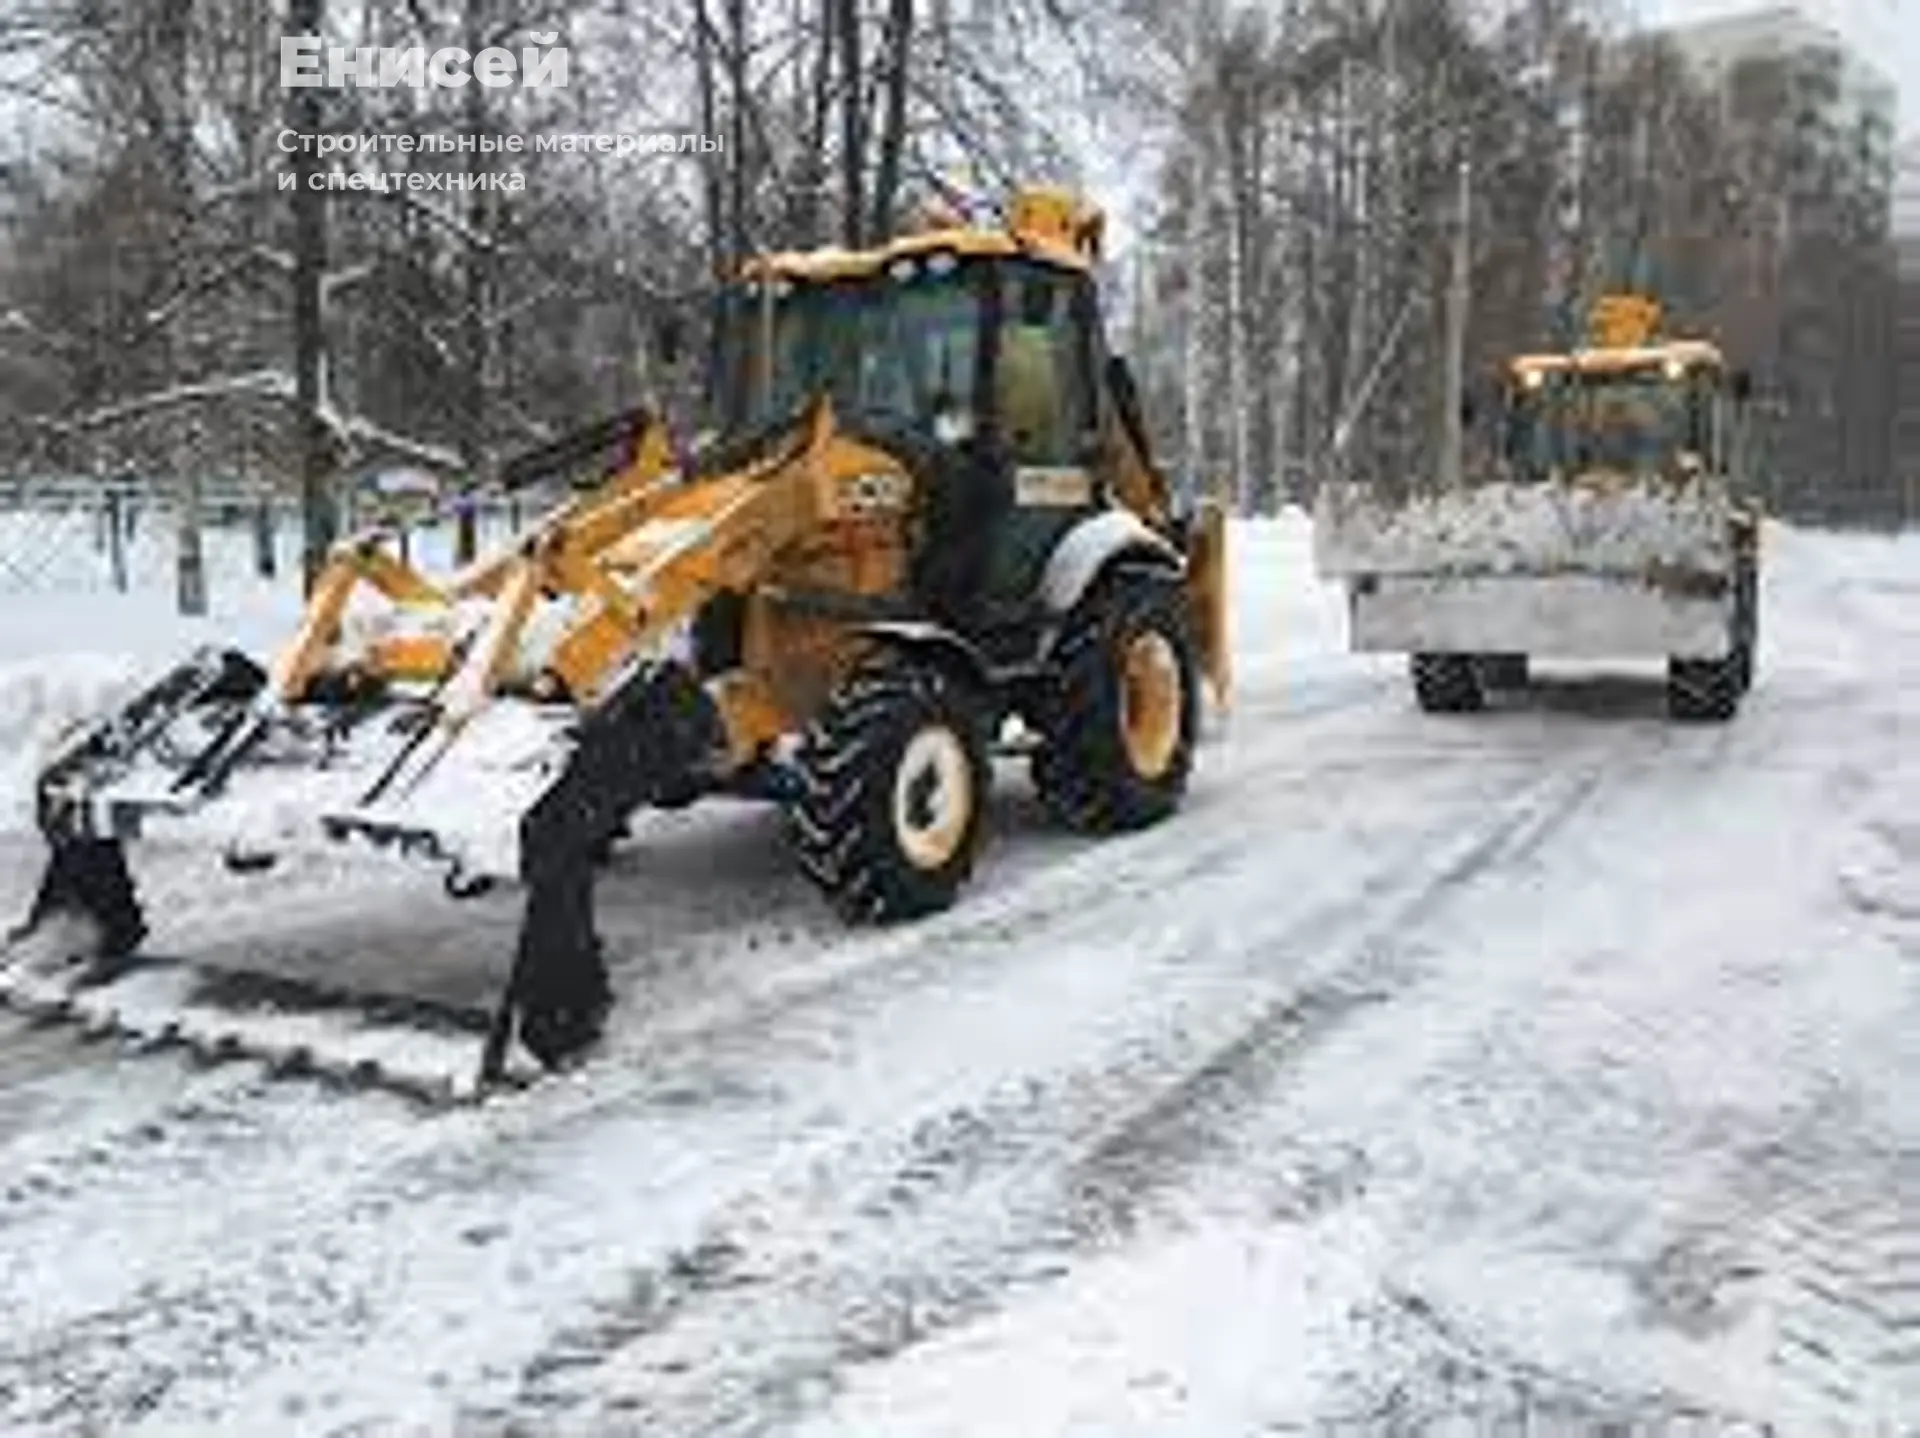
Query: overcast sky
[1888,31]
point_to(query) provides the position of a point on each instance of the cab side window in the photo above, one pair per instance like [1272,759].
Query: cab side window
[1045,379]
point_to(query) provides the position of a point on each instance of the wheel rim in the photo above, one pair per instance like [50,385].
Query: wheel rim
[932,798]
[1150,703]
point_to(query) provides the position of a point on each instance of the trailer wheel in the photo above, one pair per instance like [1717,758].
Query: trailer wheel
[1704,690]
[1447,683]
[1120,716]
[893,779]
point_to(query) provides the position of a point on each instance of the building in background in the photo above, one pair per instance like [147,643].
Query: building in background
[1815,125]
[1844,107]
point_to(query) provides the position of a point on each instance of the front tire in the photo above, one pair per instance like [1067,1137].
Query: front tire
[893,780]
[1121,715]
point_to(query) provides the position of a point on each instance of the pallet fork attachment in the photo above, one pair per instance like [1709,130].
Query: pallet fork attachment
[617,728]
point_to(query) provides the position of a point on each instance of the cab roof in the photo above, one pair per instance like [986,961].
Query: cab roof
[1043,223]
[1694,354]
[1623,334]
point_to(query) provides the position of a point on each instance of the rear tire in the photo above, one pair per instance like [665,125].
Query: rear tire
[1704,690]
[1447,683]
[893,780]
[1121,713]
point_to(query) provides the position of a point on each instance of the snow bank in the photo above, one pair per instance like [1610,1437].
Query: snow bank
[1285,618]
[69,658]
[40,702]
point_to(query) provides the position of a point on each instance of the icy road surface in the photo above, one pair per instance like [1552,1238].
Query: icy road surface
[1556,1065]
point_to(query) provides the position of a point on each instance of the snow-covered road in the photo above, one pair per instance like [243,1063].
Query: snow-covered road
[1555,1064]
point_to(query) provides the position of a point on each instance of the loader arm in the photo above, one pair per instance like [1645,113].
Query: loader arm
[363,560]
[636,558]
[638,554]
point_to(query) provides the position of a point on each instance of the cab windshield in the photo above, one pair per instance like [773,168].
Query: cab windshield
[1633,421]
[899,348]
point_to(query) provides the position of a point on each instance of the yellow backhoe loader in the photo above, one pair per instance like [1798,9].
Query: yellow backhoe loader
[927,511]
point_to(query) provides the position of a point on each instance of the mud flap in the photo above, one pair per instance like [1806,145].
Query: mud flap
[1206,589]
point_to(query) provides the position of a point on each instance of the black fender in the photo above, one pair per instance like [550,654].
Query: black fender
[956,655]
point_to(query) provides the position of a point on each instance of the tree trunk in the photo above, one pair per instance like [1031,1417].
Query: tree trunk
[813,168]
[853,100]
[1193,237]
[473,440]
[737,170]
[171,119]
[319,521]
[893,120]
[1239,222]
[712,192]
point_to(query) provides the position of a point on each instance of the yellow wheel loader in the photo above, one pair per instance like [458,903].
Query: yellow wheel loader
[926,512]
[1617,520]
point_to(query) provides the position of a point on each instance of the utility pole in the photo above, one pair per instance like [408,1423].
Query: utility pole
[478,293]
[1452,457]
[1192,435]
[319,523]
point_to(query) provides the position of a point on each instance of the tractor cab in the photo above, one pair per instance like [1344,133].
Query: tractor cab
[953,332]
[1629,402]
[973,354]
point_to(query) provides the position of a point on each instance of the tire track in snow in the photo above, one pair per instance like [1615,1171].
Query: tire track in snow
[235,1121]
[1460,1377]
[999,942]
[1193,1117]
[1063,1167]
[1018,897]
[1840,1218]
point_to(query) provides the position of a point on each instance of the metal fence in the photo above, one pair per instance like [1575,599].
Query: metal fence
[80,536]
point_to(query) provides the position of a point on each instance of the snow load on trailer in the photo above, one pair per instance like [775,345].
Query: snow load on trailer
[1665,531]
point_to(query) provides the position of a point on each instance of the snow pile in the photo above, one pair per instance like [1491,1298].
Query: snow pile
[70,658]
[1285,620]
[43,701]
[1842,604]
[1622,526]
